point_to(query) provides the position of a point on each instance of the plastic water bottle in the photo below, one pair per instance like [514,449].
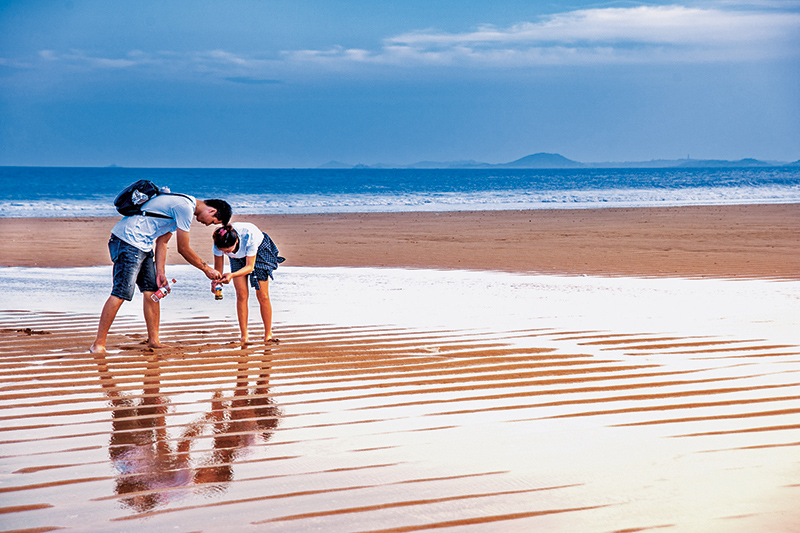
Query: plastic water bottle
[161,292]
[218,291]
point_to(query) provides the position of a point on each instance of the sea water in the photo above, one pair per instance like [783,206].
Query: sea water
[66,192]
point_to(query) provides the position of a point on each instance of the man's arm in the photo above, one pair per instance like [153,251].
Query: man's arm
[161,259]
[185,249]
[219,266]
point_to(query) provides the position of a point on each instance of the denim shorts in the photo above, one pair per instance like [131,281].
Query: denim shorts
[131,265]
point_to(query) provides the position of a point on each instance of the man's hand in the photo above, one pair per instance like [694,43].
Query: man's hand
[161,280]
[211,273]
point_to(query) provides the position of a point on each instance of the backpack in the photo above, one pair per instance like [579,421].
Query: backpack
[129,201]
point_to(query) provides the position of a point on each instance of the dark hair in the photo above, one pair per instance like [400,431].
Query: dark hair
[223,208]
[225,237]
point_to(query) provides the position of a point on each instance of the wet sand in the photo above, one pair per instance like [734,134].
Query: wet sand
[385,428]
[389,429]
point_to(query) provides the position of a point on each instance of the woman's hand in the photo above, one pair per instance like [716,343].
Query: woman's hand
[226,278]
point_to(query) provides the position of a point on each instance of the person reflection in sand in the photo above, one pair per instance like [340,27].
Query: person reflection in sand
[151,466]
[144,459]
[238,423]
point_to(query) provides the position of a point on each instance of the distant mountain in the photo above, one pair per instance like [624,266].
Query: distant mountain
[686,163]
[542,160]
[335,164]
[417,165]
[449,164]
[557,161]
[749,162]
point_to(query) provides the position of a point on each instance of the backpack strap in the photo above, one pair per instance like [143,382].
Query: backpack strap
[154,215]
[159,215]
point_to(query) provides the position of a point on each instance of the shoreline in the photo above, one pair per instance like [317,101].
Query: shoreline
[739,241]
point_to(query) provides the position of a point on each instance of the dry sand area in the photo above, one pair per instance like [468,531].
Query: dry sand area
[720,241]
[350,428]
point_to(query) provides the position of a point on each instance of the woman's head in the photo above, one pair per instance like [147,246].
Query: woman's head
[225,237]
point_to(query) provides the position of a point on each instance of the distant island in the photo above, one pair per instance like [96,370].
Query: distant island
[557,161]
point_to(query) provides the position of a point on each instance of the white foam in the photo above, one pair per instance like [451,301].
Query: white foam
[487,200]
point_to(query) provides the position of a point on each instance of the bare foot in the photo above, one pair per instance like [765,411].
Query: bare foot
[97,348]
[156,345]
[272,340]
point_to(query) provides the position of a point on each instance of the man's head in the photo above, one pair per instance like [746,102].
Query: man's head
[213,211]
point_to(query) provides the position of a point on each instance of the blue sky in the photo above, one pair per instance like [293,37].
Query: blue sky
[293,83]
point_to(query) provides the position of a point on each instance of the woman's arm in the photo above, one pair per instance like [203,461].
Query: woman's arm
[248,268]
[219,263]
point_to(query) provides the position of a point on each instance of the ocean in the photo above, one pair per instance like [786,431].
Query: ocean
[80,192]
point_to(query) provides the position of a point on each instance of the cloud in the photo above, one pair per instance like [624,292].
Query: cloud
[219,63]
[606,36]
[221,56]
[645,34]
[84,60]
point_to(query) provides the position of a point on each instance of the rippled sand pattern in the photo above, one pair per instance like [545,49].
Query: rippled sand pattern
[389,429]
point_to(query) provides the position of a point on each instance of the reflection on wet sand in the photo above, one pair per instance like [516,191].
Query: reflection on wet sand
[150,463]
[343,429]
[237,422]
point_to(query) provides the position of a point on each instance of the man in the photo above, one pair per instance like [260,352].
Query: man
[138,248]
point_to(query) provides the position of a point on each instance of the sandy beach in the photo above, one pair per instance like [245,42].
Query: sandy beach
[544,418]
[721,241]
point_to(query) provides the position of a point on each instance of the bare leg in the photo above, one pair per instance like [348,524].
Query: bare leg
[242,296]
[107,316]
[266,308]
[152,319]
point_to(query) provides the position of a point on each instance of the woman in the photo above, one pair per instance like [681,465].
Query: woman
[251,253]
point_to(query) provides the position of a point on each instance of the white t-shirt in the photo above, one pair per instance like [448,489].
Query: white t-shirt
[142,231]
[250,238]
